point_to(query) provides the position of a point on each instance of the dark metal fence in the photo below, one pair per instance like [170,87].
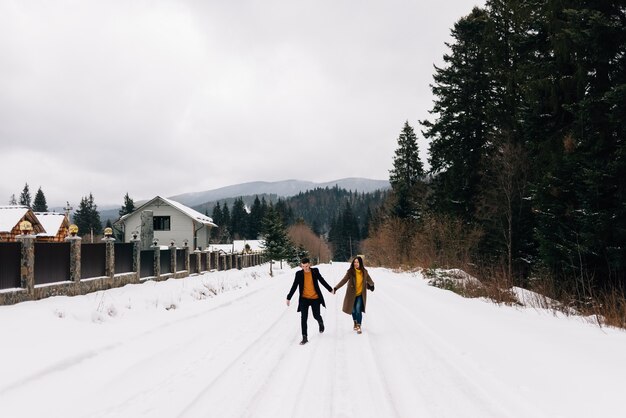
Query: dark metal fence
[193,263]
[123,257]
[203,262]
[180,259]
[166,261]
[46,267]
[93,260]
[52,262]
[10,255]
[146,259]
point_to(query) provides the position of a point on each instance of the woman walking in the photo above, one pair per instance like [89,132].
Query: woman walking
[359,282]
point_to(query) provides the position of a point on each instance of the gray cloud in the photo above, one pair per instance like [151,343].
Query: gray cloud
[166,97]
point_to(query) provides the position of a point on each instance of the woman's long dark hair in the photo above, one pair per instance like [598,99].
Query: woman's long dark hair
[361,265]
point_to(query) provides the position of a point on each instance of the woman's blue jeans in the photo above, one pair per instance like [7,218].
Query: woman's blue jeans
[357,313]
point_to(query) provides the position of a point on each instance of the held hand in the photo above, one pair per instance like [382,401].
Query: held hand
[288,302]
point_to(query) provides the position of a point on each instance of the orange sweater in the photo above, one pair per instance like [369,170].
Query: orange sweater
[359,281]
[308,290]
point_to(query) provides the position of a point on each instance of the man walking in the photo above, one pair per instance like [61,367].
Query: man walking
[307,281]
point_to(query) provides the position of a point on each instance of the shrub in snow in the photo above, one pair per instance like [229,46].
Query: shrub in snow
[111,310]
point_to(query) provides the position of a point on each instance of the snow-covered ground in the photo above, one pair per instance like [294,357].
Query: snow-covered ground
[225,344]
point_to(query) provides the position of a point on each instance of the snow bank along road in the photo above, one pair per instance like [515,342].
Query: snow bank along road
[168,350]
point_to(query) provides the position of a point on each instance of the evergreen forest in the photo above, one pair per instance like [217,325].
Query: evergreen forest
[527,152]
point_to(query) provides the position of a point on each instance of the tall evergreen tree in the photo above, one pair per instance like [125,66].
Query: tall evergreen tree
[581,163]
[87,217]
[285,211]
[275,240]
[39,204]
[13,200]
[344,234]
[406,173]
[216,232]
[255,219]
[128,206]
[226,220]
[239,220]
[464,94]
[25,198]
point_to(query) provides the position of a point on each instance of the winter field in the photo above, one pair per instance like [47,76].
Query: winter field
[224,344]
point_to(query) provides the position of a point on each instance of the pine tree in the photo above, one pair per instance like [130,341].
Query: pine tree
[128,206]
[239,219]
[226,235]
[39,204]
[275,240]
[579,160]
[464,95]
[217,219]
[25,199]
[13,200]
[255,219]
[407,172]
[87,217]
[344,234]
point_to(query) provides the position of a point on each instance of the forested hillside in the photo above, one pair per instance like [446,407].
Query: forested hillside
[339,216]
[527,150]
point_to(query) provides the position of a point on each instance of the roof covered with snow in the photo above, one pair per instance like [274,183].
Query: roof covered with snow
[11,216]
[51,221]
[238,246]
[193,214]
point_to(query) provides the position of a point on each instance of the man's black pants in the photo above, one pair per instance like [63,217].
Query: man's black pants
[304,312]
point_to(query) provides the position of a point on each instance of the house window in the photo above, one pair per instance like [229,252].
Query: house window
[161,223]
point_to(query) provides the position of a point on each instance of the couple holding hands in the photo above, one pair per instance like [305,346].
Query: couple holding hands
[307,281]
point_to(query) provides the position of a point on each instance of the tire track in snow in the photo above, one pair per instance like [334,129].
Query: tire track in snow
[190,359]
[256,362]
[487,399]
[80,358]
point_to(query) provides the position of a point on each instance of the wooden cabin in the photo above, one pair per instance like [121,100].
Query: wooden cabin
[55,224]
[10,218]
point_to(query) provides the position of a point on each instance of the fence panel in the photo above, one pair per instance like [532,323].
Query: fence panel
[166,261]
[180,259]
[146,259]
[193,263]
[52,262]
[10,259]
[203,258]
[123,257]
[93,260]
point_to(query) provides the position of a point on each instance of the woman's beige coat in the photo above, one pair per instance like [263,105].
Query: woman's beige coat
[350,278]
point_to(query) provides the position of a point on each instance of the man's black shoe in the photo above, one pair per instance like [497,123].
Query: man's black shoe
[321,326]
[304,340]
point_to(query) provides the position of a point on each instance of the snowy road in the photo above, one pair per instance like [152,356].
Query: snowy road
[424,353]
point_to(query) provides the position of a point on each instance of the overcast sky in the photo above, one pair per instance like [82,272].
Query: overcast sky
[162,97]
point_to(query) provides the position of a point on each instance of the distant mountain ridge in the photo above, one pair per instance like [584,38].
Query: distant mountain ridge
[284,188]
[202,201]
